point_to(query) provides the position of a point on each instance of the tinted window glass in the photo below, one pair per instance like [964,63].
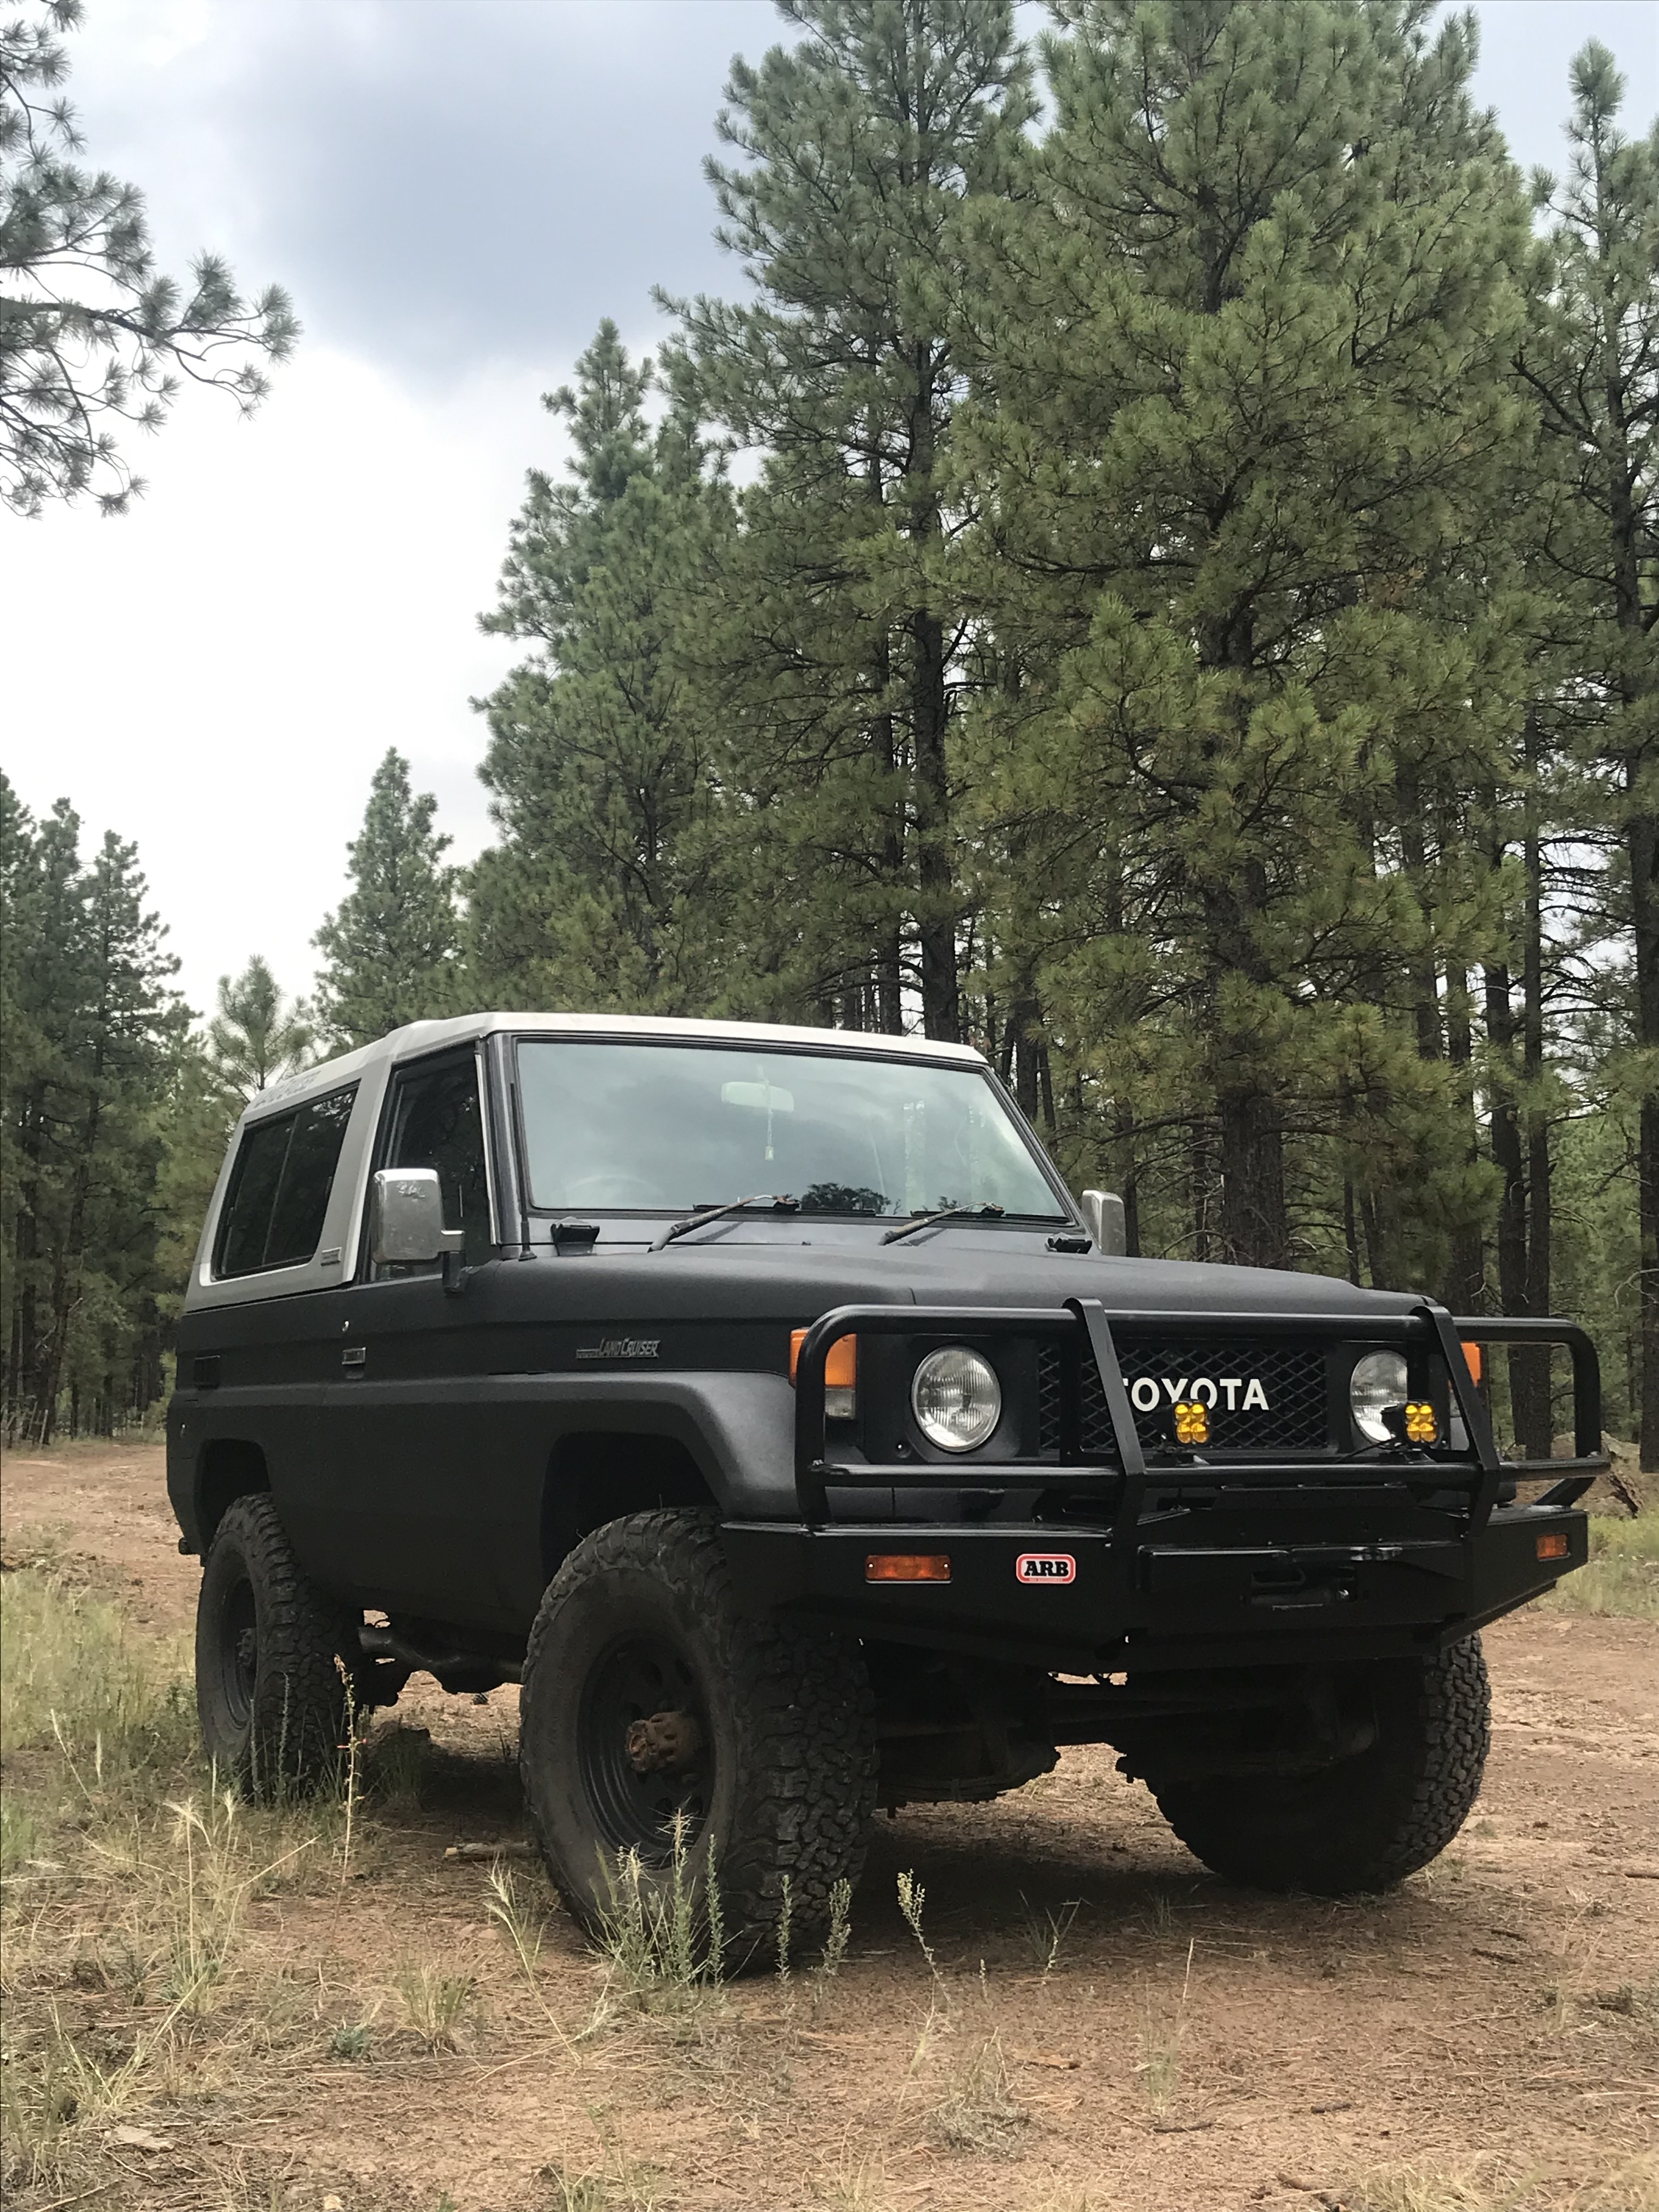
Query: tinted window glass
[247,1220]
[280,1185]
[437,1123]
[313,1152]
[679,1125]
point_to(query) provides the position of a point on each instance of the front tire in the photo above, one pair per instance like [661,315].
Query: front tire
[1368,1821]
[652,1704]
[269,1649]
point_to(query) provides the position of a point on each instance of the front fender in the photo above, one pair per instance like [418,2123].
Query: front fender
[738,1428]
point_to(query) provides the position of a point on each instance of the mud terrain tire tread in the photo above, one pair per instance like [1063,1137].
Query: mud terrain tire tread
[295,1731]
[1367,1823]
[798,1709]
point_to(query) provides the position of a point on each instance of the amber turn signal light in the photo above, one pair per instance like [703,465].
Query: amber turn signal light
[841,1374]
[1192,1422]
[1553,1547]
[1472,1360]
[908,1567]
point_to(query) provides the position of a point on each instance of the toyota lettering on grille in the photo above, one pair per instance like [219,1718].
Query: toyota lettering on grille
[1200,1389]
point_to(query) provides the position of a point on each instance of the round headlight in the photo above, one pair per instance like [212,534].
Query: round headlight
[1379,1380]
[955,1397]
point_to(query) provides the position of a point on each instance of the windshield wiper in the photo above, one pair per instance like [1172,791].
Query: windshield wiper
[706,1213]
[945,1213]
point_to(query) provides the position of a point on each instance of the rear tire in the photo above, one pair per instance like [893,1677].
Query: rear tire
[269,1691]
[766,1734]
[1368,1821]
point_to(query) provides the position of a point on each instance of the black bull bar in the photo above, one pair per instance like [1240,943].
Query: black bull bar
[1171,1593]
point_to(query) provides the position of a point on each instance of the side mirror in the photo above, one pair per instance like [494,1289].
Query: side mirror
[1103,1216]
[406,1219]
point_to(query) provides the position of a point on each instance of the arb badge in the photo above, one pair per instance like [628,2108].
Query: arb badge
[1045,1567]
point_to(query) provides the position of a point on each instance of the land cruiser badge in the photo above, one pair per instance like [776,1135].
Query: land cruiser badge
[622,1348]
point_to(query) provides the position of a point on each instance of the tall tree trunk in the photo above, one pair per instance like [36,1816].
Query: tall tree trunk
[1420,969]
[888,947]
[941,1014]
[930,712]
[1529,1368]
[1507,1157]
[1642,851]
[1351,1231]
[1255,1220]
[1464,1288]
[1636,688]
[1023,1045]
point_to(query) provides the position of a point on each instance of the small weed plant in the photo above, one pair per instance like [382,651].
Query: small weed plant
[912,1897]
[840,1931]
[661,1931]
[1045,1929]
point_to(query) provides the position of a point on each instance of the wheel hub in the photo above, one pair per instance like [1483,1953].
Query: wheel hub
[645,1754]
[667,1743]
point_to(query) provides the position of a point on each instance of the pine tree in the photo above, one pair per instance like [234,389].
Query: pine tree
[1242,423]
[90,334]
[602,891]
[1591,361]
[839,665]
[390,948]
[93,1032]
[259,1036]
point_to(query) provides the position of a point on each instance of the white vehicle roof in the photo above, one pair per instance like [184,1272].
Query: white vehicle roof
[417,1038]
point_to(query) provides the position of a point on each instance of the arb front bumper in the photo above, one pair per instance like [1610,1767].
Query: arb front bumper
[1197,1560]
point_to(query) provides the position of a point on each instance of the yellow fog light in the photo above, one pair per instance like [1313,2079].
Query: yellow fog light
[1192,1421]
[1419,1424]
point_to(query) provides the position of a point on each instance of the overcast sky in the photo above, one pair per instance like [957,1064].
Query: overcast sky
[454,191]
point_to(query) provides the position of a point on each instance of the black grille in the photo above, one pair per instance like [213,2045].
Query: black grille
[1292,1379]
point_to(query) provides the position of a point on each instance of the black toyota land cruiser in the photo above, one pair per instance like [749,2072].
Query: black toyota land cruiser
[762,1402]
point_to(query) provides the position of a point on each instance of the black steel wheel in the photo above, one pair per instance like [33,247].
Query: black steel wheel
[269,1650]
[655,1709]
[1367,1821]
[643,1802]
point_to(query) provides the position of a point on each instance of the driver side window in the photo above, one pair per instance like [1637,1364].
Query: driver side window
[437,1121]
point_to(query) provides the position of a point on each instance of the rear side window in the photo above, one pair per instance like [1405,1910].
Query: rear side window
[280,1185]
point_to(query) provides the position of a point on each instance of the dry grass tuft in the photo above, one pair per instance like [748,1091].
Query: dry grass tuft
[619,2184]
[128,1863]
[978,2111]
[1625,2184]
[433,2003]
[1622,1576]
[1164,2030]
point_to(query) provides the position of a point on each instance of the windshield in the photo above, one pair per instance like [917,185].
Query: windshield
[652,1125]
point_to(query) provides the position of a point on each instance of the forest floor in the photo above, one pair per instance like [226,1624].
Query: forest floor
[218,2008]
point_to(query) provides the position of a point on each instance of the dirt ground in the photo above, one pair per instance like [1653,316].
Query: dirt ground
[1191,2045]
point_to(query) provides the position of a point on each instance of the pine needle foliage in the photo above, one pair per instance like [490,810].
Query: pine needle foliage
[94,338]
